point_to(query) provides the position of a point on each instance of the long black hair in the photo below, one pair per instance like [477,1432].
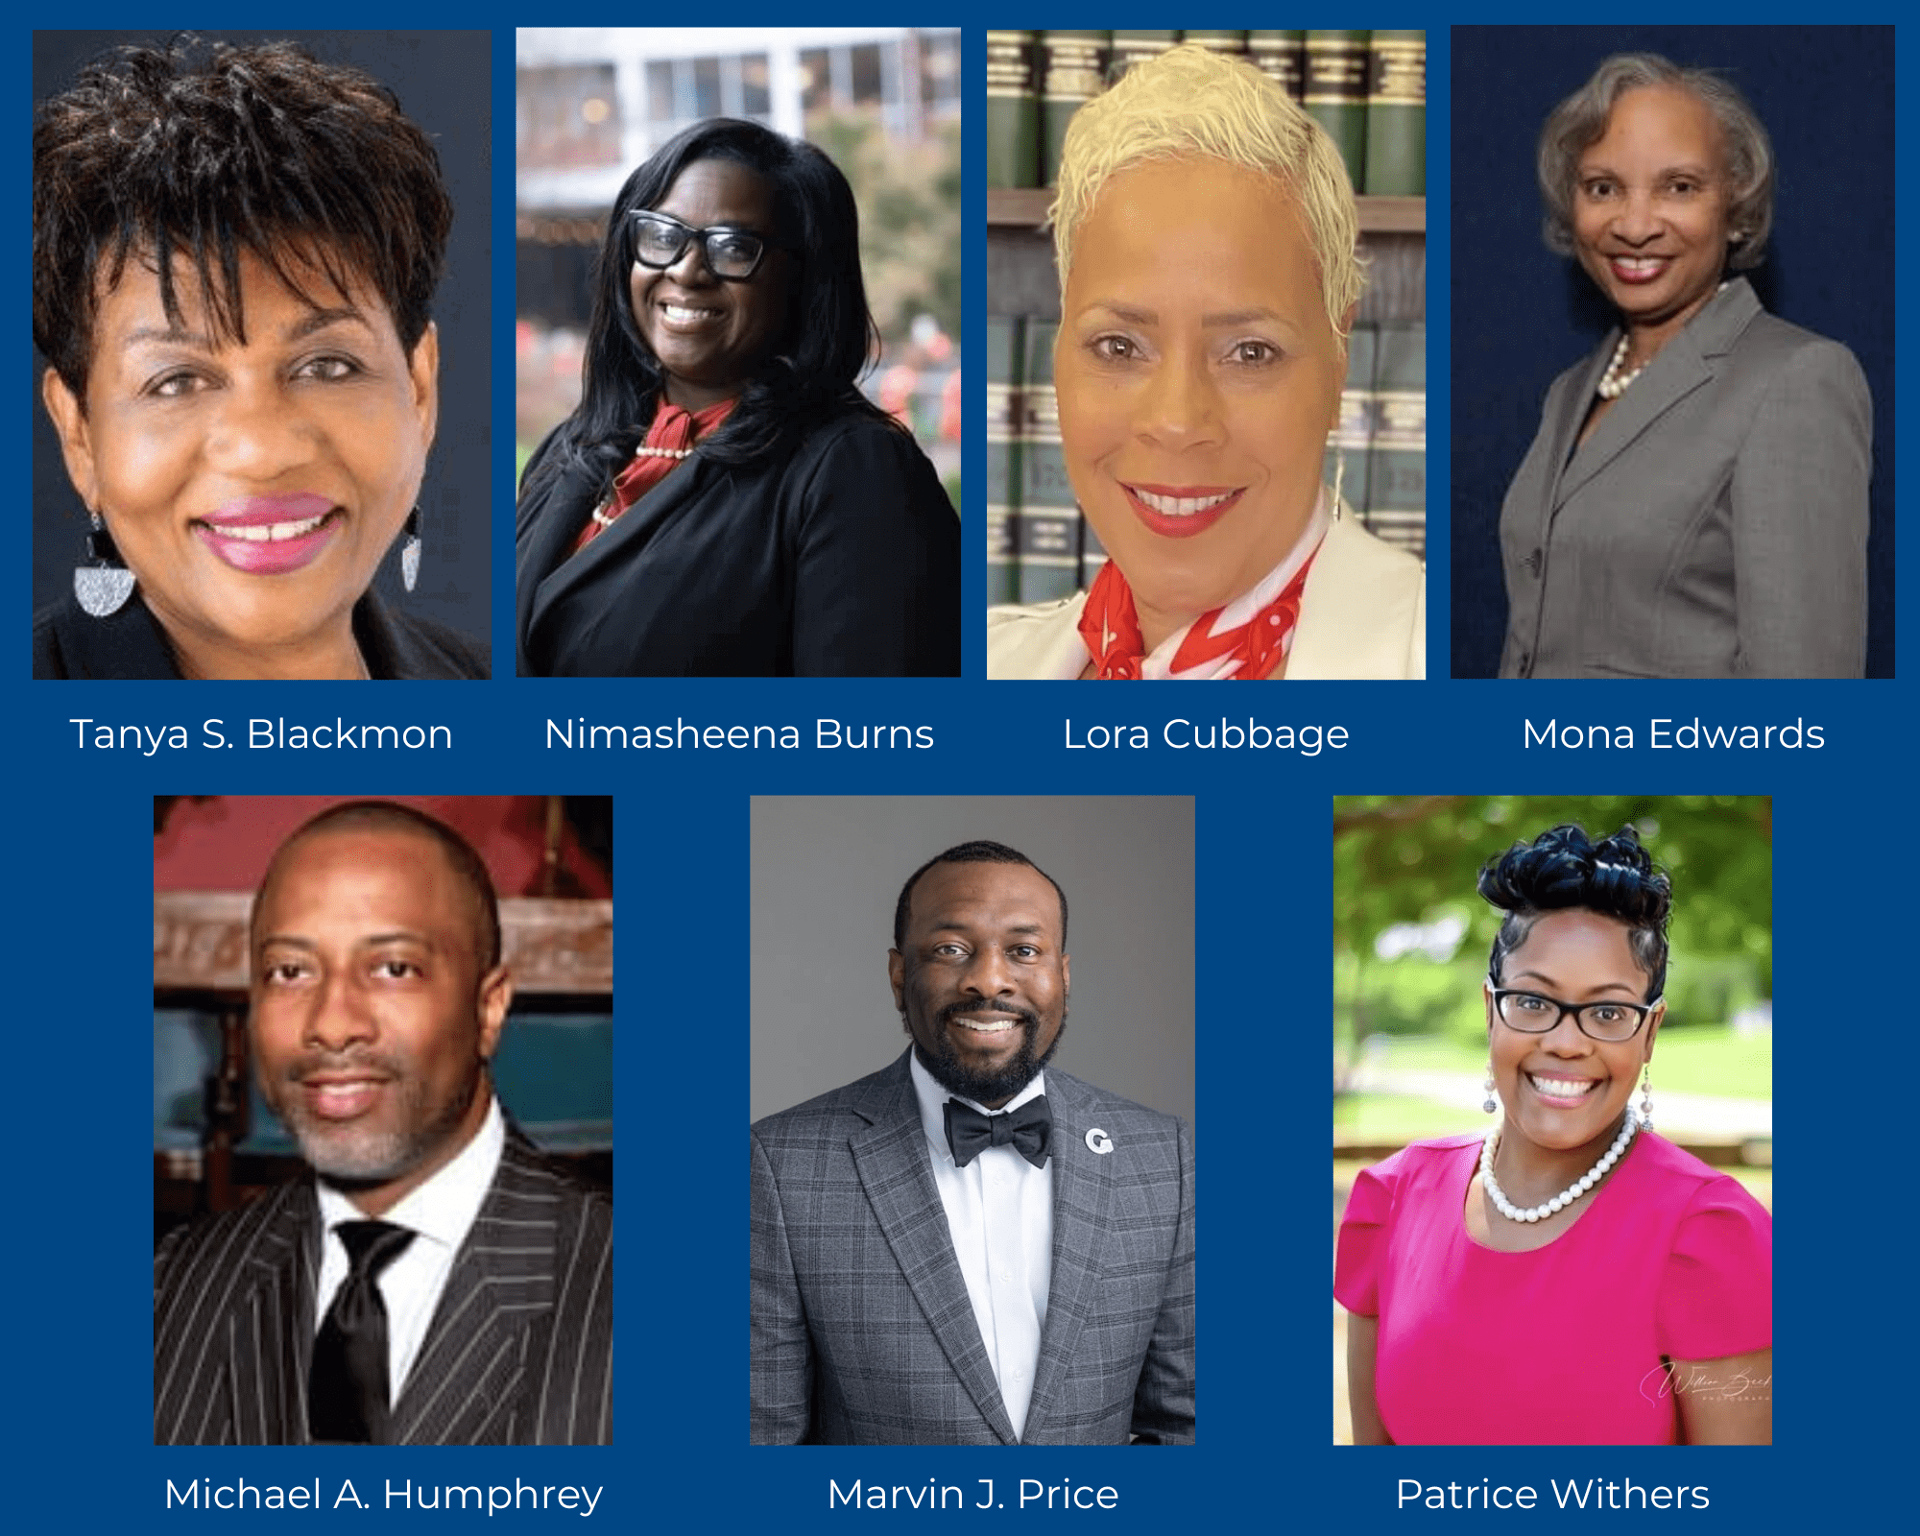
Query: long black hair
[830,337]
[1561,869]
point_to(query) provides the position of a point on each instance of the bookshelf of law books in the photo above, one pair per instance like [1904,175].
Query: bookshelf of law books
[1368,90]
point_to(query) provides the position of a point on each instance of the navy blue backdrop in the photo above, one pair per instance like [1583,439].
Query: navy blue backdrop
[1521,315]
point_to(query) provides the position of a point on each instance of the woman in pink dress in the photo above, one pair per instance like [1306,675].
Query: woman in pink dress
[1573,1279]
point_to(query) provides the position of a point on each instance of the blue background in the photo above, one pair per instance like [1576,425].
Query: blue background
[79,1437]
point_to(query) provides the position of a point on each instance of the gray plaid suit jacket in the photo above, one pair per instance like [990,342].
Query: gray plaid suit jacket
[519,1352]
[863,1333]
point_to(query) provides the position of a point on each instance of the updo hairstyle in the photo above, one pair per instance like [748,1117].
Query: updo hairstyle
[1560,871]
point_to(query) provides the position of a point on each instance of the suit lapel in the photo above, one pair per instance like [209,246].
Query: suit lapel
[464,1387]
[1082,1201]
[271,1332]
[1690,361]
[891,1158]
[549,572]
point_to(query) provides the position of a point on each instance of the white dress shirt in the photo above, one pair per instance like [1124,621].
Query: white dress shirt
[1000,1212]
[439,1212]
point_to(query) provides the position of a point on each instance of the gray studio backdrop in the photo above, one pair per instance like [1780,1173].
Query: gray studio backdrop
[827,871]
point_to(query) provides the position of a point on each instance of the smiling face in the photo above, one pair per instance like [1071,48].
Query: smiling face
[372,1017]
[1563,1089]
[983,980]
[713,336]
[1650,207]
[252,488]
[1198,376]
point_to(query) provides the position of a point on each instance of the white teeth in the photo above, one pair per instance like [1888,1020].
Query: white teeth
[675,312]
[1640,266]
[1180,506]
[986,1026]
[271,533]
[1563,1087]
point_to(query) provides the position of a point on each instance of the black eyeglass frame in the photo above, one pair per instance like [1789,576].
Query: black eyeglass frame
[705,237]
[1642,1010]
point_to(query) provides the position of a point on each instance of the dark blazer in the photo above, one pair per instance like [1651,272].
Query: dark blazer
[68,643]
[1714,525]
[519,1352]
[863,1333]
[838,558]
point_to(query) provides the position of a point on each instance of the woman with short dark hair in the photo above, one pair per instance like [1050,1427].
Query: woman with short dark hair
[1570,1278]
[724,501]
[235,251]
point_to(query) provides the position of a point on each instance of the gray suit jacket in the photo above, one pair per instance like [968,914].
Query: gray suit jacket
[519,1352]
[863,1333]
[1714,525]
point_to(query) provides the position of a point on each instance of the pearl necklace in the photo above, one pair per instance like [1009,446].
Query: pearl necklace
[1613,383]
[664,453]
[1567,1196]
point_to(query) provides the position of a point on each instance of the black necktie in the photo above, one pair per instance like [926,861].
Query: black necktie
[347,1387]
[1027,1130]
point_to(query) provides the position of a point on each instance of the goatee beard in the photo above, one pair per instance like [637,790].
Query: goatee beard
[986,1086]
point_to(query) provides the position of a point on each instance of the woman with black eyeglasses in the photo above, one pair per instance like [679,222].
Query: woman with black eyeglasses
[1572,1279]
[724,501]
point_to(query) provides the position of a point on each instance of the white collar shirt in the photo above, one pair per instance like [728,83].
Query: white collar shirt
[1000,1214]
[439,1213]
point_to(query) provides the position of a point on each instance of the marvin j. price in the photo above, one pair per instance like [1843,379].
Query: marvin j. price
[1031,1494]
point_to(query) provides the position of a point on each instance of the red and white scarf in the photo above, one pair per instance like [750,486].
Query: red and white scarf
[1243,640]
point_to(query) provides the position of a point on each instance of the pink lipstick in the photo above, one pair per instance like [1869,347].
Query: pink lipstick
[270,535]
[1181,511]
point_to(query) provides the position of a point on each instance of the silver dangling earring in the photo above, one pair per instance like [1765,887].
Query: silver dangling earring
[1646,1098]
[1491,1105]
[103,583]
[1339,477]
[410,552]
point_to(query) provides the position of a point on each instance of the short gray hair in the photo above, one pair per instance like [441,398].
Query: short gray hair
[1581,121]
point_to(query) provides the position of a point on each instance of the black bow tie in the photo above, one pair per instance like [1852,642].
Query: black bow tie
[1027,1130]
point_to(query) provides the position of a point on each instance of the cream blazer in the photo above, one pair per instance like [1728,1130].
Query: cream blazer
[1363,615]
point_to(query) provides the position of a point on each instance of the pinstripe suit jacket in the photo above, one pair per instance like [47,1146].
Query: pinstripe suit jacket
[863,1333]
[519,1352]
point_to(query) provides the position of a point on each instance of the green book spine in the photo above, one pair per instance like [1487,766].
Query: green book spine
[1003,457]
[1072,63]
[1336,94]
[1398,493]
[1351,442]
[1133,47]
[1397,115]
[1233,43]
[1282,55]
[1013,111]
[1049,533]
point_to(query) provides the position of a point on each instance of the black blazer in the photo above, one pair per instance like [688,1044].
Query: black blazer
[839,557]
[68,643]
[519,1352]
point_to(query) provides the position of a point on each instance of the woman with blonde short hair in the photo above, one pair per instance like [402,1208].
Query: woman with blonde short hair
[1206,237]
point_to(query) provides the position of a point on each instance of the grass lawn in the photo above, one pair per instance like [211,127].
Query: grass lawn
[1401,1117]
[1707,1058]
[521,453]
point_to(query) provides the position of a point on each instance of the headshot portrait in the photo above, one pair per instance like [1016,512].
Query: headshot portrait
[1206,241]
[260,420]
[383,1121]
[1673,450]
[954,1241]
[737,482]
[1496,1092]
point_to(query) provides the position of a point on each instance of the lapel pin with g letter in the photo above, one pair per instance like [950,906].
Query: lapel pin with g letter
[1099,1140]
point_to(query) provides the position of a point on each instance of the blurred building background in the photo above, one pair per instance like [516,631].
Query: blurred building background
[591,103]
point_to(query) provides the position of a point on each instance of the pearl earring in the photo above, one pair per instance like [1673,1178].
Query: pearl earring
[1490,1106]
[1646,1099]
